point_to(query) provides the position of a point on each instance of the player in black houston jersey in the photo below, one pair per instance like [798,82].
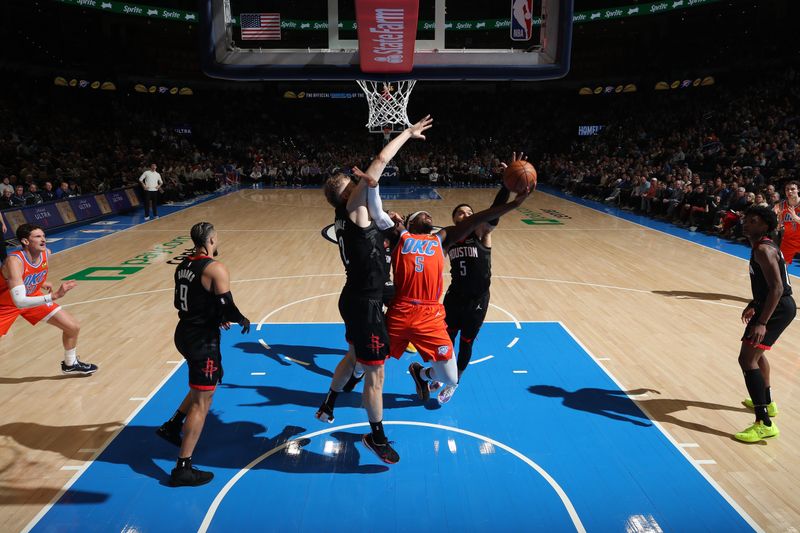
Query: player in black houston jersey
[767,315]
[362,250]
[467,298]
[204,303]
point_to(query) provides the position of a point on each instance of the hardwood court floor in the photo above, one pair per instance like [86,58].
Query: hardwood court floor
[660,312]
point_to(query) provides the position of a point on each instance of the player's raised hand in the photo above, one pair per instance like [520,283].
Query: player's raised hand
[522,196]
[417,129]
[522,157]
[396,217]
[64,289]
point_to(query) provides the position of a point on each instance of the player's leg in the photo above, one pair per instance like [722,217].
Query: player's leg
[70,328]
[171,430]
[183,474]
[376,440]
[200,347]
[341,378]
[371,353]
[750,362]
[475,315]
[763,427]
[433,342]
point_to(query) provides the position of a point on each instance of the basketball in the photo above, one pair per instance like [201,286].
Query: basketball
[519,175]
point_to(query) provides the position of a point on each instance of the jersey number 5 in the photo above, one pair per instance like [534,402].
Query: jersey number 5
[419,263]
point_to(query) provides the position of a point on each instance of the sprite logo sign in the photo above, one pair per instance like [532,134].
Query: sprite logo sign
[134,264]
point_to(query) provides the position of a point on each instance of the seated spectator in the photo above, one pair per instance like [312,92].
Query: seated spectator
[5,185]
[32,197]
[47,194]
[62,191]
[18,198]
[5,199]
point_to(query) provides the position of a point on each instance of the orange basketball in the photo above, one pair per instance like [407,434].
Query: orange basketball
[519,175]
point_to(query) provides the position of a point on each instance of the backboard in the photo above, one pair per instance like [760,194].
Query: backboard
[454,39]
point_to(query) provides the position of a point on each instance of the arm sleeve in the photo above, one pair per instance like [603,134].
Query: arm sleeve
[230,313]
[22,301]
[375,207]
[501,198]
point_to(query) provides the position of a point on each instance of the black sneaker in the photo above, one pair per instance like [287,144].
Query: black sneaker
[351,383]
[78,368]
[325,414]
[422,386]
[170,433]
[189,477]
[385,452]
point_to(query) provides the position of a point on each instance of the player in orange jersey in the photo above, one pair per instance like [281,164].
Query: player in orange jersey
[24,275]
[789,222]
[415,314]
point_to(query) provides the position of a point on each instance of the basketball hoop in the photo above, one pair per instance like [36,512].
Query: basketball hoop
[388,102]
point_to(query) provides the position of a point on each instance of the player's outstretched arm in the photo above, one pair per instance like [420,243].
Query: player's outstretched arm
[452,234]
[221,282]
[358,198]
[416,131]
[13,271]
[374,201]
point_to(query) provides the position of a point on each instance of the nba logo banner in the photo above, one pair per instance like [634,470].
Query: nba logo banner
[521,19]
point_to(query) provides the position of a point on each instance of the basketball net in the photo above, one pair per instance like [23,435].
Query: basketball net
[388,104]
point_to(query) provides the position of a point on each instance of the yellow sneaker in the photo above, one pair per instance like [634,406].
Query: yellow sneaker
[410,348]
[758,432]
[772,408]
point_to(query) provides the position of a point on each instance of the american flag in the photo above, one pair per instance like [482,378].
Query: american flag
[261,26]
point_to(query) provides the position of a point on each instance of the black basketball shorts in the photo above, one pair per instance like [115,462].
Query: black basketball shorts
[465,313]
[365,327]
[199,345]
[782,316]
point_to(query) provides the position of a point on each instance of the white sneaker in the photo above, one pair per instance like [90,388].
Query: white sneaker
[446,393]
[147,218]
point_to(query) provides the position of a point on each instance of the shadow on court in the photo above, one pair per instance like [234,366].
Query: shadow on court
[282,396]
[616,405]
[306,355]
[64,440]
[43,495]
[34,379]
[708,296]
[230,445]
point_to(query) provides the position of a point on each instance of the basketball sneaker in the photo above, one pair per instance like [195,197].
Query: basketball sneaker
[171,433]
[78,368]
[758,432]
[446,393]
[324,414]
[189,477]
[415,370]
[772,408]
[385,452]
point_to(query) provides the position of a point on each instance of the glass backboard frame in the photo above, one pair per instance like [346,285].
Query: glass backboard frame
[547,59]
